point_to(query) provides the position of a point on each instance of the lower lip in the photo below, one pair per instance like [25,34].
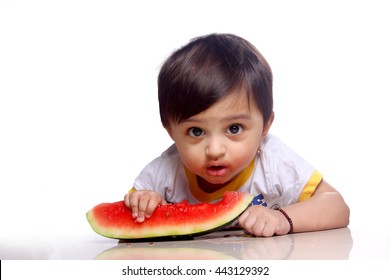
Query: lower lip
[217,172]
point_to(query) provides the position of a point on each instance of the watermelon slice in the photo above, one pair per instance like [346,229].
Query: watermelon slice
[114,220]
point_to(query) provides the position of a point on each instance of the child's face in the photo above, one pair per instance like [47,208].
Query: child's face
[220,142]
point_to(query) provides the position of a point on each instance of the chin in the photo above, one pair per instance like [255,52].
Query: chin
[218,181]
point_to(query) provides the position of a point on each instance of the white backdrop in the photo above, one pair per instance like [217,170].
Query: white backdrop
[78,107]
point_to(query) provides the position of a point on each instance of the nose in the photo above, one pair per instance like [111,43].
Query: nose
[215,148]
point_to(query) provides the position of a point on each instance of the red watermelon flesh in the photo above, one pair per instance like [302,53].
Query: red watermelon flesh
[114,220]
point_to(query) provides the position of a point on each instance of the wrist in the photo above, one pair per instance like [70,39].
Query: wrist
[287,218]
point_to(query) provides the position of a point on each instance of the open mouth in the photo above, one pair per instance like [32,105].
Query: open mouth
[216,170]
[218,167]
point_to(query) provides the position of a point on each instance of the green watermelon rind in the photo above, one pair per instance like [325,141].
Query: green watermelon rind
[175,231]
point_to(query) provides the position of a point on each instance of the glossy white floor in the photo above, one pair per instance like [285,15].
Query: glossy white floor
[338,244]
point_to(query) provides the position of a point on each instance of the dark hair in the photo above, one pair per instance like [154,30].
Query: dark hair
[207,69]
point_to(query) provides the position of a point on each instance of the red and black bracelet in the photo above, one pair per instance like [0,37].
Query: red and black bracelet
[288,219]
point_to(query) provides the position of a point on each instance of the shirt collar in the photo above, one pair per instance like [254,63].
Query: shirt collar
[234,185]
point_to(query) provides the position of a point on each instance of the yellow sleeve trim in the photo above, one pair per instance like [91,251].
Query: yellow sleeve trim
[132,190]
[310,186]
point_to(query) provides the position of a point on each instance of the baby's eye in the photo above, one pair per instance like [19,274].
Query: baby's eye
[234,129]
[195,132]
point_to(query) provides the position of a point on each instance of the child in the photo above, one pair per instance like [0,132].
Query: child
[215,98]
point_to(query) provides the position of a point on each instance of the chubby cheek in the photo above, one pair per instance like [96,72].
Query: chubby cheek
[243,158]
[192,158]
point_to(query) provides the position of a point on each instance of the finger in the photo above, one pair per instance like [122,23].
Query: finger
[142,206]
[247,221]
[133,199]
[268,230]
[127,200]
[243,217]
[258,228]
[133,208]
[271,223]
[151,207]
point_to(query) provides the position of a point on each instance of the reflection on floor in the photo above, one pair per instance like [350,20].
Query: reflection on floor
[330,244]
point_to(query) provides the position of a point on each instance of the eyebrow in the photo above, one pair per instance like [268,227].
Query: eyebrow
[238,117]
[228,118]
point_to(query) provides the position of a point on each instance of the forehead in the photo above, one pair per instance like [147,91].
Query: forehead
[234,105]
[233,101]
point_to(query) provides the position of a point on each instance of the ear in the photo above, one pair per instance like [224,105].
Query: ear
[268,125]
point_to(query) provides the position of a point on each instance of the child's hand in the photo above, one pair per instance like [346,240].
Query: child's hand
[143,203]
[262,221]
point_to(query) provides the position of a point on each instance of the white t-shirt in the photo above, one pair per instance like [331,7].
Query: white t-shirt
[276,177]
